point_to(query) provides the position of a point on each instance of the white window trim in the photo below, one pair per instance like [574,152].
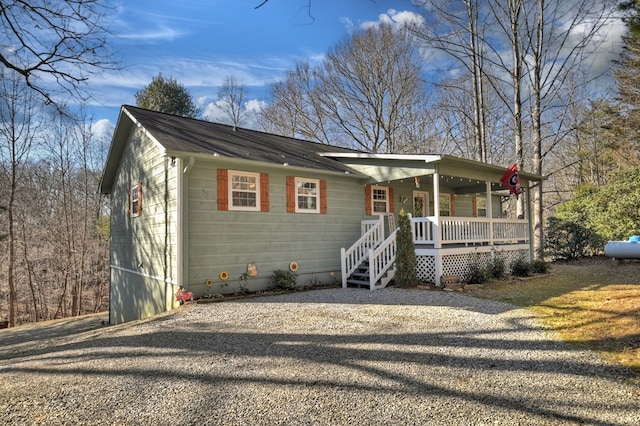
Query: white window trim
[448,196]
[373,200]
[477,203]
[298,181]
[135,192]
[255,208]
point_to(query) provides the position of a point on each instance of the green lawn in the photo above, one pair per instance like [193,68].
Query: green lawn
[592,303]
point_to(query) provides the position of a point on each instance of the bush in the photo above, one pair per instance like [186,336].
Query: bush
[539,266]
[406,269]
[567,239]
[476,274]
[284,279]
[497,268]
[521,268]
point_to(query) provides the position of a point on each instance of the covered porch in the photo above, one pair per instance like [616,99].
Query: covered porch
[460,215]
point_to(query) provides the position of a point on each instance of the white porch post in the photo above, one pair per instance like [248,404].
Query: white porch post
[490,212]
[529,226]
[437,244]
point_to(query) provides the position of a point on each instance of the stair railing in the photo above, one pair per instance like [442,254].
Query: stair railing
[353,257]
[381,259]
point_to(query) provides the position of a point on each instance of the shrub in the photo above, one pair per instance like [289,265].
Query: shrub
[284,279]
[476,274]
[406,269]
[497,267]
[539,266]
[521,268]
[567,239]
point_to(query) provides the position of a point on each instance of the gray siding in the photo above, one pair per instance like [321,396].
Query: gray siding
[143,248]
[229,240]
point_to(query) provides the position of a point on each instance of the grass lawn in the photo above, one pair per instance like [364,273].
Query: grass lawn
[591,303]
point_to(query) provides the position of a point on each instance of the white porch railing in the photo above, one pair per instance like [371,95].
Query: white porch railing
[352,258]
[381,259]
[454,230]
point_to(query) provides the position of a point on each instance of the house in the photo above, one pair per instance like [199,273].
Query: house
[215,209]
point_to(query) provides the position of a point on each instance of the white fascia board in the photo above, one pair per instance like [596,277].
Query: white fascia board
[139,125]
[363,155]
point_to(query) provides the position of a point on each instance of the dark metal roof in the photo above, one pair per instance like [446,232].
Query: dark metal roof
[187,135]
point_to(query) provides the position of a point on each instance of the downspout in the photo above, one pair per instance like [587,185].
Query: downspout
[182,226]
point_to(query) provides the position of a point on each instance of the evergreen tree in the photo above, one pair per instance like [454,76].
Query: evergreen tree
[628,81]
[406,264]
[167,95]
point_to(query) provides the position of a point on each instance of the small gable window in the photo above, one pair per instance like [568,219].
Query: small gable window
[135,200]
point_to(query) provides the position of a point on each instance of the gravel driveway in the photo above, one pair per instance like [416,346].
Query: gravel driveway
[322,357]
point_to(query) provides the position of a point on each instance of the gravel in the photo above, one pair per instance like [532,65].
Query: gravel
[321,357]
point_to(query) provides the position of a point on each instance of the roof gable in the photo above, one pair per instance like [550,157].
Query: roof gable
[183,136]
[187,135]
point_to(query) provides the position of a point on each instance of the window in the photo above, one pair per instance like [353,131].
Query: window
[379,200]
[307,195]
[446,205]
[480,206]
[244,191]
[135,200]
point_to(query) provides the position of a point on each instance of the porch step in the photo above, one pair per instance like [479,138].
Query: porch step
[360,277]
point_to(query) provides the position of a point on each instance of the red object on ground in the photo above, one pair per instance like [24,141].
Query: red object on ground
[183,295]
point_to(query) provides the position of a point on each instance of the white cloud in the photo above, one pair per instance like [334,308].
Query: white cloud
[396,19]
[102,129]
[255,105]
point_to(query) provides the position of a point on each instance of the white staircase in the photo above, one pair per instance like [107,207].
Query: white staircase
[370,261]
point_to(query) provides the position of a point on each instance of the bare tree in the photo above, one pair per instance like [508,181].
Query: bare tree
[556,56]
[296,109]
[231,99]
[18,132]
[365,95]
[457,29]
[61,41]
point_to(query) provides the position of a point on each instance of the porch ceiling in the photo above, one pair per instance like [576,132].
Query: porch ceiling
[385,172]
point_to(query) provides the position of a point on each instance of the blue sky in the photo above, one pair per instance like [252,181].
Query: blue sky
[202,42]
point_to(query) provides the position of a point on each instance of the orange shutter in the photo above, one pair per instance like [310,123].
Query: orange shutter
[368,200]
[139,198]
[475,206]
[323,196]
[453,205]
[223,189]
[291,194]
[264,192]
[391,205]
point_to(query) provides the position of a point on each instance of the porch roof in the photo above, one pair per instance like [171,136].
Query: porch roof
[404,166]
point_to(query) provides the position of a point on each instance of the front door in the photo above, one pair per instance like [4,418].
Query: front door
[420,204]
